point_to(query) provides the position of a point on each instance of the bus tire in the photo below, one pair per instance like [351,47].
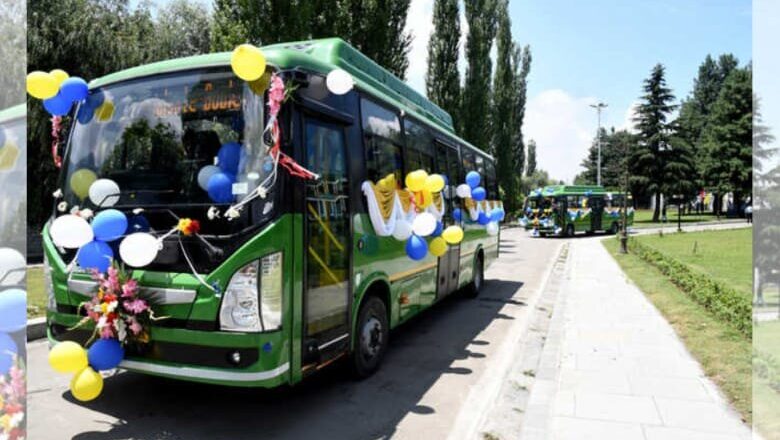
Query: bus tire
[570,230]
[478,280]
[372,332]
[613,230]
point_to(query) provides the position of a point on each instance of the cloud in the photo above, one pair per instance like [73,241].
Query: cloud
[562,126]
[419,23]
[628,118]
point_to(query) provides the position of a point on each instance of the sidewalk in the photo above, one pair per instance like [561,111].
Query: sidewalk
[621,371]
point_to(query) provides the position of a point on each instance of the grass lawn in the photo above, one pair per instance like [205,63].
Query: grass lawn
[643,218]
[36,296]
[766,401]
[726,255]
[725,355]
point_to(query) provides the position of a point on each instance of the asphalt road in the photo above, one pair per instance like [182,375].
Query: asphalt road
[435,382]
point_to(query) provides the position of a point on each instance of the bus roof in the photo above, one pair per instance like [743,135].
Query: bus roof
[15,112]
[573,190]
[320,56]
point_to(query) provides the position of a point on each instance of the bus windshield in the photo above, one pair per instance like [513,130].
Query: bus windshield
[538,203]
[153,137]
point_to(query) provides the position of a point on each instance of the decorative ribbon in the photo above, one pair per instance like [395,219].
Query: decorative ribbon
[56,127]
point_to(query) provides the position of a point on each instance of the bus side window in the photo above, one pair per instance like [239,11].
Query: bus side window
[468,161]
[572,202]
[419,147]
[382,139]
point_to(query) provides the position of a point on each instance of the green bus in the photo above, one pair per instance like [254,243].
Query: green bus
[301,279]
[563,210]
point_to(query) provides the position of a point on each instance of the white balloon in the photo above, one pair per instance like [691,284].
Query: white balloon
[492,228]
[463,191]
[339,82]
[70,231]
[12,267]
[424,224]
[205,174]
[139,249]
[402,231]
[104,193]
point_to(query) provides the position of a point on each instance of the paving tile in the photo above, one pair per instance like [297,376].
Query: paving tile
[673,387]
[666,433]
[616,407]
[564,403]
[700,416]
[569,428]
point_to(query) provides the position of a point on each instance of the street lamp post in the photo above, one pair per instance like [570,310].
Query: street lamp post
[598,106]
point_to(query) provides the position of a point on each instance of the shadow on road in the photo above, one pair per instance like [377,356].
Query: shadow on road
[328,405]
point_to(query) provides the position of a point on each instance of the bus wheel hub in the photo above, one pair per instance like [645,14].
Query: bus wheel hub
[371,336]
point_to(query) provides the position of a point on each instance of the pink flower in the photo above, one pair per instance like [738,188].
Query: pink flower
[134,325]
[113,279]
[129,289]
[275,95]
[135,306]
[107,332]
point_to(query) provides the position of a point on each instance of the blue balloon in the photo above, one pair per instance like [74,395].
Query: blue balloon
[95,100]
[85,115]
[220,187]
[137,223]
[109,225]
[483,219]
[57,105]
[268,166]
[495,215]
[457,214]
[8,349]
[416,248]
[478,194]
[95,255]
[74,89]
[229,156]
[473,179]
[438,230]
[105,354]
[13,310]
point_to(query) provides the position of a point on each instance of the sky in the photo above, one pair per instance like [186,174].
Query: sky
[586,51]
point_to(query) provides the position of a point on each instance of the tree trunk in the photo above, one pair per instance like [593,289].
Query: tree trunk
[657,210]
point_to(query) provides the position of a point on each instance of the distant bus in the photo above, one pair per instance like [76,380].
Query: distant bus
[304,279]
[564,210]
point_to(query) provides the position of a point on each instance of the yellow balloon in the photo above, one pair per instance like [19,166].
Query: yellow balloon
[260,85]
[80,182]
[434,183]
[452,234]
[105,112]
[68,357]
[248,62]
[437,247]
[86,385]
[59,76]
[423,199]
[42,85]
[415,180]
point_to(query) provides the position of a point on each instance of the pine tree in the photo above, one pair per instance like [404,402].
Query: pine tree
[531,165]
[728,138]
[442,80]
[652,155]
[502,123]
[481,17]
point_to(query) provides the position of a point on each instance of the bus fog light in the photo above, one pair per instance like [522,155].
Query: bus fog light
[240,310]
[235,357]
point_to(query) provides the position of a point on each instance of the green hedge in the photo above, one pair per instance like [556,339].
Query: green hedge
[722,301]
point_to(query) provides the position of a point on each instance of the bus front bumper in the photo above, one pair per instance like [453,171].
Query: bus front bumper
[223,358]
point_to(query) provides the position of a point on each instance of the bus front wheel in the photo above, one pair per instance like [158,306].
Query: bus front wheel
[473,288]
[372,335]
[614,228]
[570,230]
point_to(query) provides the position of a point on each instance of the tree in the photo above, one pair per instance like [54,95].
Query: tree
[183,29]
[481,17]
[653,154]
[521,60]
[376,28]
[728,137]
[442,79]
[13,50]
[531,165]
[614,145]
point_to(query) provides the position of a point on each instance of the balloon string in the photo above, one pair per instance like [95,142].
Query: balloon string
[192,268]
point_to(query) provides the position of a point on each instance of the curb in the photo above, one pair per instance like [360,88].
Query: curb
[36,328]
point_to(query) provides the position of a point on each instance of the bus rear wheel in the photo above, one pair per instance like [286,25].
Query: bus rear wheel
[372,336]
[570,230]
[473,288]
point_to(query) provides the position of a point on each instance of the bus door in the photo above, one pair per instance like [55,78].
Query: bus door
[447,163]
[597,211]
[327,238]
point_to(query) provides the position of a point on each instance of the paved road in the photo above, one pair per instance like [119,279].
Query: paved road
[441,371]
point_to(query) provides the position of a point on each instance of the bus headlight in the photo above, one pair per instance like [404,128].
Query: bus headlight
[252,301]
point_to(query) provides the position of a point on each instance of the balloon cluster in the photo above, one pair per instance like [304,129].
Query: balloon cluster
[472,189]
[72,231]
[422,187]
[217,180]
[13,318]
[85,365]
[60,91]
